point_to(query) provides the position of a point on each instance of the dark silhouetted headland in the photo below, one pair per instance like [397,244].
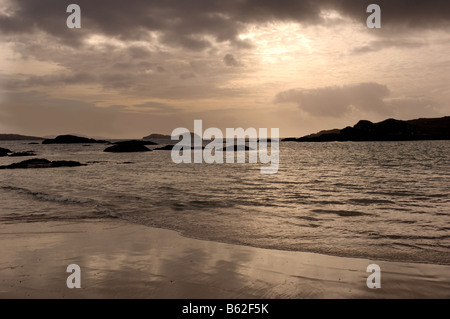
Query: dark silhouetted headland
[387,130]
[18,137]
[156,136]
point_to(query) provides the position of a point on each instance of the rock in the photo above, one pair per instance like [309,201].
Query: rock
[235,148]
[128,147]
[170,147]
[33,143]
[42,163]
[18,154]
[164,137]
[4,152]
[142,142]
[72,139]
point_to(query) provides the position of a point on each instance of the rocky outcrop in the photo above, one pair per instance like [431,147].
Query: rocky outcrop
[129,147]
[72,139]
[235,148]
[164,137]
[169,148]
[387,130]
[42,163]
[4,152]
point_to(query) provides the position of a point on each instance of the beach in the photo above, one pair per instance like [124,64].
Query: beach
[119,259]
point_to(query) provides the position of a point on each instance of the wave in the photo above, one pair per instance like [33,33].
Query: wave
[343,213]
[92,209]
[48,197]
[370,201]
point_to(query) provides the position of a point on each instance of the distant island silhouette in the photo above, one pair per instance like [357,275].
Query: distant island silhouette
[387,130]
[157,136]
[18,137]
[71,139]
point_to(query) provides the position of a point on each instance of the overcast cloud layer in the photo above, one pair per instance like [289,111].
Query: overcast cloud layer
[145,66]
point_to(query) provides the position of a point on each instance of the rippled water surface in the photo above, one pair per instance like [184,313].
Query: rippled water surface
[387,200]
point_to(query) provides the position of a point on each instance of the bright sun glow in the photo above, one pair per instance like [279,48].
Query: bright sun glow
[277,41]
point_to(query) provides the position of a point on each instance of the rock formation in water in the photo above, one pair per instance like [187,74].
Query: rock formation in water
[156,136]
[235,148]
[42,163]
[72,139]
[4,152]
[169,148]
[129,147]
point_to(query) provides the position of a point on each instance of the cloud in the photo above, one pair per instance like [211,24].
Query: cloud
[38,112]
[361,98]
[20,81]
[156,107]
[415,107]
[197,24]
[230,60]
[160,69]
[161,54]
[378,45]
[337,100]
[185,76]
[42,114]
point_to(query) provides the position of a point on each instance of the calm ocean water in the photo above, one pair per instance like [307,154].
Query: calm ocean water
[385,200]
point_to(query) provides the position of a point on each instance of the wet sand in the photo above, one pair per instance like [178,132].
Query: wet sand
[125,260]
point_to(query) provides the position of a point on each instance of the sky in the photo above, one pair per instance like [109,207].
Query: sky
[144,66]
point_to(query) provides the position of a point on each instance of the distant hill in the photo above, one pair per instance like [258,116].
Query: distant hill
[17,137]
[156,136]
[387,130]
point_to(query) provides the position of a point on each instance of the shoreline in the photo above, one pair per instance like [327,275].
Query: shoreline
[120,259]
[184,235]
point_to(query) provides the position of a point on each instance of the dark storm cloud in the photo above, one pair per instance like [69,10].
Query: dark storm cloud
[193,24]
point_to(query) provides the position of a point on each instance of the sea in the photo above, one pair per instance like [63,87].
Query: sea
[377,200]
